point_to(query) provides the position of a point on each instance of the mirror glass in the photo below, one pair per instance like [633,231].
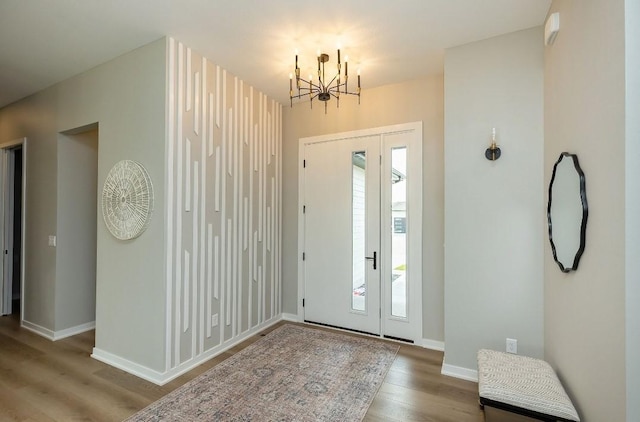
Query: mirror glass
[567,212]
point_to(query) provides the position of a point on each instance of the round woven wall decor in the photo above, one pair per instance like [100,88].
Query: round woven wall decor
[127,200]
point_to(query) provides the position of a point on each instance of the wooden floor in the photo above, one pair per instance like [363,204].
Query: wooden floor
[42,380]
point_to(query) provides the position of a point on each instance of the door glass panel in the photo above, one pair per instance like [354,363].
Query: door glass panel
[399,232]
[359,284]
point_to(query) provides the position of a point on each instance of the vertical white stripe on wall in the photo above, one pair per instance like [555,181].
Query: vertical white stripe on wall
[202,97]
[245,222]
[279,203]
[230,138]
[178,205]
[194,261]
[241,111]
[216,266]
[205,317]
[187,178]
[268,138]
[250,175]
[255,256]
[255,147]
[196,112]
[260,296]
[185,295]
[272,236]
[218,96]
[239,214]
[171,119]
[188,81]
[260,188]
[217,181]
[246,122]
[228,275]
[268,229]
[210,270]
[210,124]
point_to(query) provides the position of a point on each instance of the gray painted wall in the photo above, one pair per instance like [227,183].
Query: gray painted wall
[419,100]
[494,211]
[126,96]
[584,112]
[75,295]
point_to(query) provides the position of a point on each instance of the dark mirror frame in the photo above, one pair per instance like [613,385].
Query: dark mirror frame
[585,212]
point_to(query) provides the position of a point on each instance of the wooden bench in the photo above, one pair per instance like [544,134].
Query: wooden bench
[524,386]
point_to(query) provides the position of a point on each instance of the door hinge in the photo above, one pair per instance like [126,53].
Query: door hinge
[304,163]
[303,303]
[304,209]
[380,312]
[303,256]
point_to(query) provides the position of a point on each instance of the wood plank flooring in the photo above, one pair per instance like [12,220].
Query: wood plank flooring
[42,380]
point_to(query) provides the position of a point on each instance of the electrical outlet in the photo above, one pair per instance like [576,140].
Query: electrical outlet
[52,241]
[214,320]
[512,346]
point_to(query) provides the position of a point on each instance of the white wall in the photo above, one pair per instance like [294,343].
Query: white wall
[418,100]
[493,210]
[585,114]
[76,229]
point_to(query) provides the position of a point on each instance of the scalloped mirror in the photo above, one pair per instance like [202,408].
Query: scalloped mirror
[567,212]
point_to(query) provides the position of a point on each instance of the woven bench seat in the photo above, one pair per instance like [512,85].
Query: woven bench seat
[522,385]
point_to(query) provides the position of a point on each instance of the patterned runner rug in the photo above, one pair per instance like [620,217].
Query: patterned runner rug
[292,374]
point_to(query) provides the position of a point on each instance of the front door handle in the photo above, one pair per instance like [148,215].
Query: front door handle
[375,259]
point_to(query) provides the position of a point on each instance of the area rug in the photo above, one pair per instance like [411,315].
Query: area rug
[294,373]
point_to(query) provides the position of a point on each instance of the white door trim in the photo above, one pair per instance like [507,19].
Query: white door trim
[383,130]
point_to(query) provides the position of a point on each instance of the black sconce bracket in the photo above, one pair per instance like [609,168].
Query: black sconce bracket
[493,152]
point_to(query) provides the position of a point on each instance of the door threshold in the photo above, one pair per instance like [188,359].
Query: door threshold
[342,328]
[404,340]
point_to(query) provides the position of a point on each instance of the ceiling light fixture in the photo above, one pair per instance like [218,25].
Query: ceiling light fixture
[321,89]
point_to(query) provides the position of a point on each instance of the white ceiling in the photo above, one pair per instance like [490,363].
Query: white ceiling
[43,42]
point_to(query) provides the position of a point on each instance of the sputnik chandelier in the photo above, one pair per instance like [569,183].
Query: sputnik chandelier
[320,89]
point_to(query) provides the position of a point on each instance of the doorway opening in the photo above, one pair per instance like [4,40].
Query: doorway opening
[11,226]
[76,237]
[16,281]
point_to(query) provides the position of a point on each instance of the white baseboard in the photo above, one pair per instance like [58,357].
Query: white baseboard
[37,329]
[161,378]
[290,317]
[433,344]
[58,335]
[459,372]
[128,366]
[68,332]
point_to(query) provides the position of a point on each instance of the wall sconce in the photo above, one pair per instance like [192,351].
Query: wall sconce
[493,152]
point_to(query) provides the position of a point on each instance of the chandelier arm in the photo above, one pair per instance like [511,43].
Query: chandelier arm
[306,82]
[337,90]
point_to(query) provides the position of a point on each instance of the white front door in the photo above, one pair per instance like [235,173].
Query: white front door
[342,228]
[361,231]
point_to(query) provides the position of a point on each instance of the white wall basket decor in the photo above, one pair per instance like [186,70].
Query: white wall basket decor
[127,200]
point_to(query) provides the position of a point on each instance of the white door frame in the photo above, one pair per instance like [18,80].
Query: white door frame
[384,130]
[5,273]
